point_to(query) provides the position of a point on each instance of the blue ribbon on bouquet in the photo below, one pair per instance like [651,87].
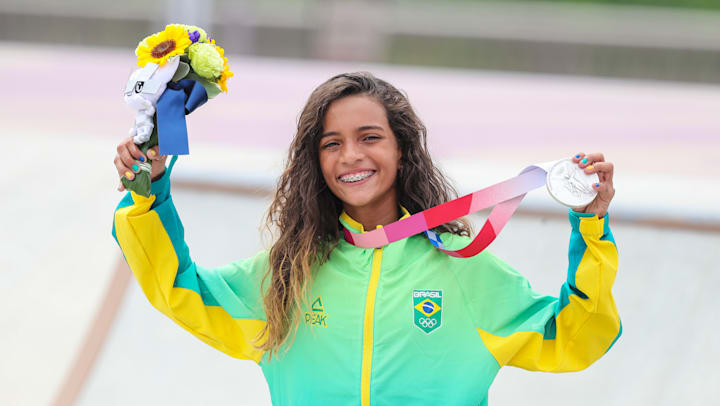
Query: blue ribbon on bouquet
[177,101]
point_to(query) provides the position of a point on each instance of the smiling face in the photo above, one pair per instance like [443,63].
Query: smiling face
[359,155]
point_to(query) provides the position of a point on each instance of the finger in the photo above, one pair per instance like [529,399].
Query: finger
[600,188]
[577,157]
[590,159]
[604,170]
[135,151]
[605,190]
[123,170]
[599,167]
[121,187]
[153,153]
[127,159]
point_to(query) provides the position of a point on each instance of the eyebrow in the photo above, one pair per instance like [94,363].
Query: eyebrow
[359,129]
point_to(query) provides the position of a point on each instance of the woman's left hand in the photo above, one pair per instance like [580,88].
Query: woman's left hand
[595,163]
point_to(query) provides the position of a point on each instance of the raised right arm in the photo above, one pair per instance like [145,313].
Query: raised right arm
[221,306]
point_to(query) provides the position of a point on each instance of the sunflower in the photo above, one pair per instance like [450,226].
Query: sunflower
[222,82]
[224,77]
[196,33]
[159,47]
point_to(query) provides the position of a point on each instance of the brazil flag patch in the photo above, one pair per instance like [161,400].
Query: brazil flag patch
[427,309]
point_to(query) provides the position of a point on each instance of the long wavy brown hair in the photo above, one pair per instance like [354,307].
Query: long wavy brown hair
[304,212]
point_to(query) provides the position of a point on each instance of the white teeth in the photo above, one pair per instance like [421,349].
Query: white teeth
[356,177]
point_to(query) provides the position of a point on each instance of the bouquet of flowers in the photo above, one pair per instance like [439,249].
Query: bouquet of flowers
[180,68]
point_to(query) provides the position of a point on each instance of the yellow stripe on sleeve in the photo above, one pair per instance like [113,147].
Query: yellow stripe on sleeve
[152,258]
[584,329]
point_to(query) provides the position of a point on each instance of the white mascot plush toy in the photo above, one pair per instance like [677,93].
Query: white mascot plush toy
[142,92]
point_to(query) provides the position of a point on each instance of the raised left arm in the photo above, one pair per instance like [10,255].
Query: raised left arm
[567,333]
[570,332]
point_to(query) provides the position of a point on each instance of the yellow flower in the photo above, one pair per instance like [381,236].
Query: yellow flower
[191,28]
[224,77]
[159,47]
[226,70]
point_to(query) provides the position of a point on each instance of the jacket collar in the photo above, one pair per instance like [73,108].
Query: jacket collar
[394,257]
[354,226]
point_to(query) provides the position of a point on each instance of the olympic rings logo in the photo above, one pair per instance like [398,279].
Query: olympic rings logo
[427,323]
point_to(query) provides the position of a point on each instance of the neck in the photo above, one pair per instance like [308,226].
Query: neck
[372,215]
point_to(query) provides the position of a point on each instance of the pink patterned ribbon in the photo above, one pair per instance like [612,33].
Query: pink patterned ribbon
[505,196]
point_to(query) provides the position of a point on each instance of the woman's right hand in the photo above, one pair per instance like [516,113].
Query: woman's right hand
[129,157]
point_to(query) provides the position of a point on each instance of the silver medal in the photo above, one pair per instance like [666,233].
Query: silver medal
[570,185]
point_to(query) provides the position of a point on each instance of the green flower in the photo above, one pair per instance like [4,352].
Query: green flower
[206,61]
[203,34]
[191,28]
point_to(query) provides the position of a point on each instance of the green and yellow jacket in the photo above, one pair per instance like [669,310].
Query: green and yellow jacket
[398,325]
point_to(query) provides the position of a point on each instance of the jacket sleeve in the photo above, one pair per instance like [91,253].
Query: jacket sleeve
[220,306]
[543,333]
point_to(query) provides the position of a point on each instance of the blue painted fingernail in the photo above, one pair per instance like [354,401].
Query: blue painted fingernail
[135,168]
[597,185]
[141,159]
[584,160]
[577,156]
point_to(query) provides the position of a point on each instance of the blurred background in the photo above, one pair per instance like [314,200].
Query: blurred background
[500,85]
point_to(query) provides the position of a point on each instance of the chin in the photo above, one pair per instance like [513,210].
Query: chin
[362,196]
[356,201]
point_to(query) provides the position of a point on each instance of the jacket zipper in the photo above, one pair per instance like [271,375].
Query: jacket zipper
[368,328]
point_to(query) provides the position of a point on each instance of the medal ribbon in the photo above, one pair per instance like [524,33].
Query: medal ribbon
[178,100]
[505,196]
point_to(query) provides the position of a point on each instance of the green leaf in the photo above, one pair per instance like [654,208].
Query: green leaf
[182,70]
[140,183]
[211,88]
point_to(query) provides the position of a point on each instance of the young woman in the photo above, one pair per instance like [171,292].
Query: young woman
[331,323]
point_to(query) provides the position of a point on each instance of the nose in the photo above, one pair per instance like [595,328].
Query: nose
[351,153]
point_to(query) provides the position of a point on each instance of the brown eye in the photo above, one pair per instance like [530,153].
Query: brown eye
[330,144]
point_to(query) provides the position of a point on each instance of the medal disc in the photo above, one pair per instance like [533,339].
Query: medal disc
[569,185]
